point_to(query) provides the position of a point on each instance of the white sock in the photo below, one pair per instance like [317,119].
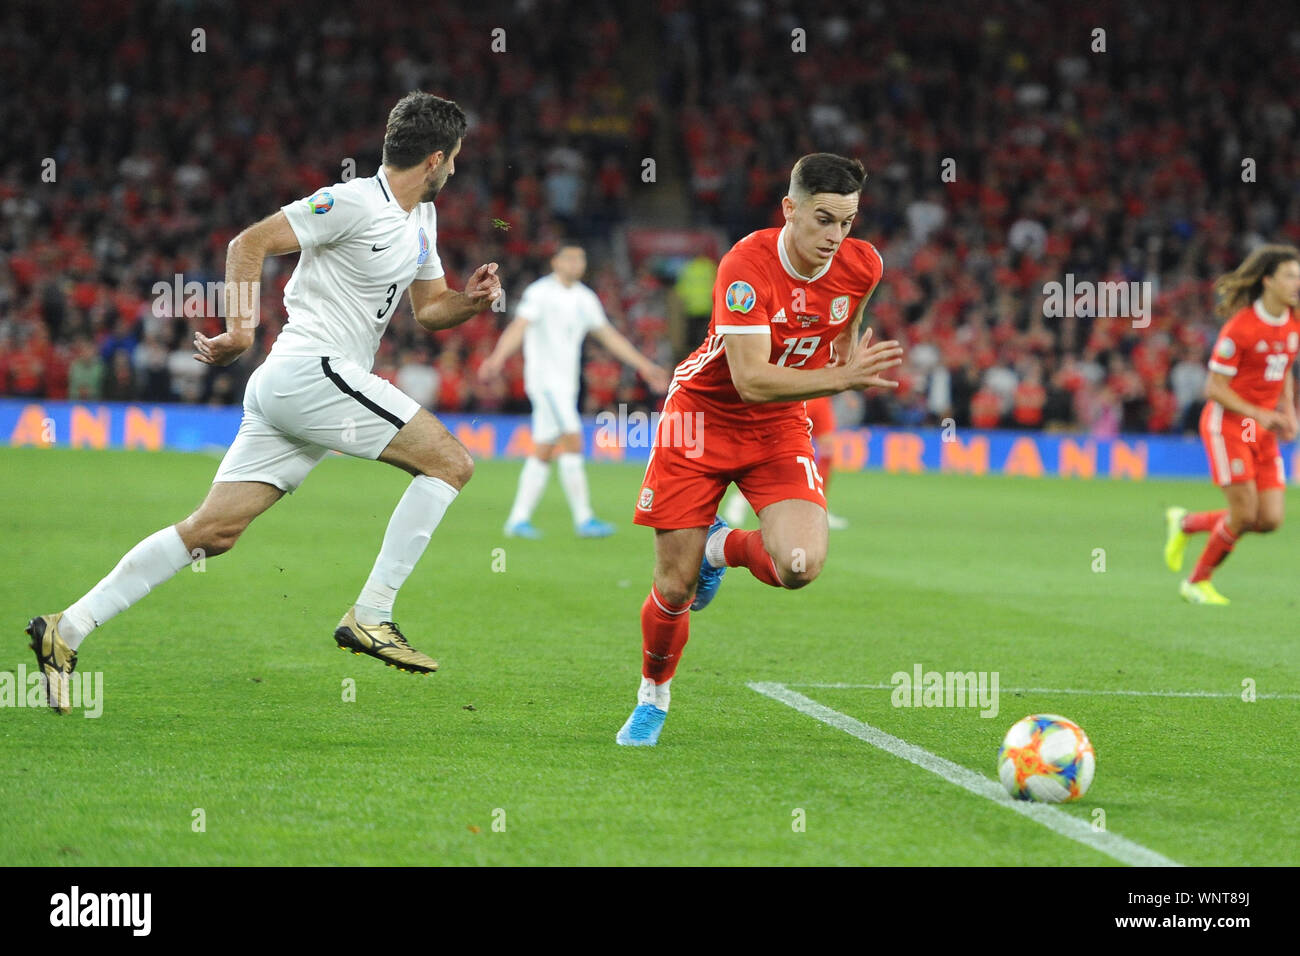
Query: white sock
[662,695]
[409,529]
[574,478]
[532,482]
[652,693]
[713,547]
[147,565]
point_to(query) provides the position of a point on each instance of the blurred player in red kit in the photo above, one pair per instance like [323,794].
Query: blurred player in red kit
[1251,402]
[787,307]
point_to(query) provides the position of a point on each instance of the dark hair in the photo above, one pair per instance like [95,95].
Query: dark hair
[1245,283]
[826,173]
[421,124]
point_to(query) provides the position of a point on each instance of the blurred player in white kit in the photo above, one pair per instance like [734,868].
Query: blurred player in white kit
[554,316]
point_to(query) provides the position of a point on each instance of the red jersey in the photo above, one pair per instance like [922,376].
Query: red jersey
[757,291]
[1256,351]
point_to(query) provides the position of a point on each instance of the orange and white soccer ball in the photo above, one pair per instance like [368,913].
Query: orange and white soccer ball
[1046,758]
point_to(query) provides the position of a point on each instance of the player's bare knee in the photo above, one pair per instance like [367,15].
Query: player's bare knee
[798,567]
[463,468]
[220,543]
[1265,524]
[677,585]
[676,592]
[209,538]
[794,580]
[224,534]
[455,468]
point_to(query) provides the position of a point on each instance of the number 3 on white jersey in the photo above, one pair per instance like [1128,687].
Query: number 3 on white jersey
[805,347]
[810,469]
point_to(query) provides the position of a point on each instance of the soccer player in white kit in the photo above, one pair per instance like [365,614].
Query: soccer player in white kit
[554,316]
[363,243]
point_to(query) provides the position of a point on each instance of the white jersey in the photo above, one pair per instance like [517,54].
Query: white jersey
[559,318]
[360,251]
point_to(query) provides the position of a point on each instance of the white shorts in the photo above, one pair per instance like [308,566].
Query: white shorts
[555,413]
[296,409]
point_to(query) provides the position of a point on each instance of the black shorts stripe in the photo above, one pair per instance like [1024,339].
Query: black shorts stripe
[346,389]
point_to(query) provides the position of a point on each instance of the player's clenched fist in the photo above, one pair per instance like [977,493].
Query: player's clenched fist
[484,285]
[864,369]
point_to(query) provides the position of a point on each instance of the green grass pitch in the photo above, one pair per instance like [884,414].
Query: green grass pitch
[224,692]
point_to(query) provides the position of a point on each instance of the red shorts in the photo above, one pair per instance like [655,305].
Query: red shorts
[690,468]
[1234,459]
[822,415]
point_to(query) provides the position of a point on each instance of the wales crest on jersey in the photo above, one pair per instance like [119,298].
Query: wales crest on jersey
[839,308]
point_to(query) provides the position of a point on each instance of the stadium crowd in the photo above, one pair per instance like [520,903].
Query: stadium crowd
[1005,151]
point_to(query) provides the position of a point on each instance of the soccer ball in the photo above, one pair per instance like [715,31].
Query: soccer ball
[1046,758]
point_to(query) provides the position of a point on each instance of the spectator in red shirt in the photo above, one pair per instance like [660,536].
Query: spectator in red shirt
[985,408]
[27,368]
[1163,409]
[451,381]
[1030,397]
[601,374]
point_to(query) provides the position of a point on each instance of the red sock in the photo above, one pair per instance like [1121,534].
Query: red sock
[1201,521]
[1216,549]
[744,549]
[664,630]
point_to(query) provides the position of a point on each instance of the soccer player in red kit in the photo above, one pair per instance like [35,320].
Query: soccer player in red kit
[1251,402]
[787,306]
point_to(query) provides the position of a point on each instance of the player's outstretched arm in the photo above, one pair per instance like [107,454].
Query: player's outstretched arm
[509,343]
[627,353]
[757,379]
[273,236]
[437,307]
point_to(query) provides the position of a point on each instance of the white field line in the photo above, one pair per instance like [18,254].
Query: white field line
[1055,819]
[1072,690]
